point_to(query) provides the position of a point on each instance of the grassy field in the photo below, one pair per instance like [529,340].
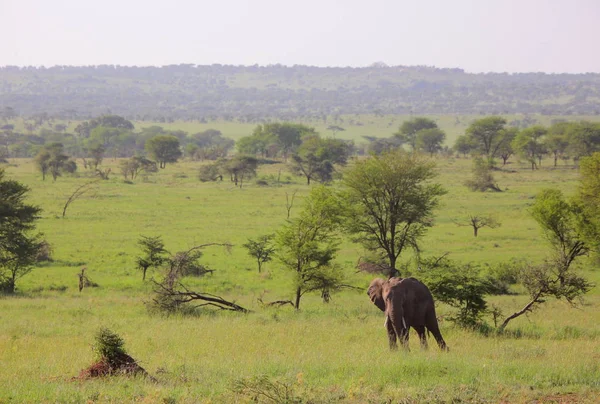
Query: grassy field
[334,352]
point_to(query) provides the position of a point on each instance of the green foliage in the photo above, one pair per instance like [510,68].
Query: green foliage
[459,286]
[316,158]
[261,249]
[409,130]
[211,172]
[133,166]
[390,202]
[108,346]
[18,247]
[488,134]
[482,179]
[430,140]
[53,160]
[308,244]
[239,168]
[529,143]
[587,201]
[154,253]
[208,145]
[555,277]
[163,149]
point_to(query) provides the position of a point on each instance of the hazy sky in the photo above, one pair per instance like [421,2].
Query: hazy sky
[477,35]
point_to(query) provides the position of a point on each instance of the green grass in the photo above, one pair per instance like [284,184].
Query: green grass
[326,352]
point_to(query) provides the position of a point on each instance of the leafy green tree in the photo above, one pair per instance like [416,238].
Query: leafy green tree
[259,142]
[587,201]
[584,139]
[132,167]
[556,277]
[483,179]
[477,222]
[163,149]
[529,143]
[239,168]
[459,286]
[53,160]
[464,145]
[18,246]
[391,202]
[316,158]
[430,140]
[208,145]
[261,249]
[105,137]
[506,148]
[409,129]
[154,254]
[557,141]
[308,244]
[96,154]
[488,134]
[383,145]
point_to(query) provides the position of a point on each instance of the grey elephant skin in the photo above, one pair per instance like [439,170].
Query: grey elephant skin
[406,303]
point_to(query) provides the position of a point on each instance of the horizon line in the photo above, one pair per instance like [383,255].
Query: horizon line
[375,65]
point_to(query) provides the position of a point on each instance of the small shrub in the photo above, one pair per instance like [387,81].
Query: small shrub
[44,253]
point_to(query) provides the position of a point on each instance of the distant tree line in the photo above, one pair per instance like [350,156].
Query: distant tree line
[250,93]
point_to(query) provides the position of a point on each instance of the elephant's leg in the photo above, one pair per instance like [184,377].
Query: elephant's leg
[432,325]
[403,337]
[391,333]
[422,337]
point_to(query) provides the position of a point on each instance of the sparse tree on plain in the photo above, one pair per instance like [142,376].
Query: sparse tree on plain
[478,222]
[556,277]
[308,244]
[261,249]
[154,254]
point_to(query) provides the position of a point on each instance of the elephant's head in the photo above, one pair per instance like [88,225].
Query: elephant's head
[375,293]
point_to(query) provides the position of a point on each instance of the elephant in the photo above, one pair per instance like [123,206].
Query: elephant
[406,303]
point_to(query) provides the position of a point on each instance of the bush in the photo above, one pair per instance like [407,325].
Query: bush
[459,286]
[483,179]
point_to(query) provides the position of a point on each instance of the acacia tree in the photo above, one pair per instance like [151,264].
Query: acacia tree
[18,246]
[154,254]
[488,134]
[479,221]
[430,140]
[52,159]
[261,249]
[316,158]
[163,149]
[529,144]
[390,202]
[308,243]
[556,277]
[409,129]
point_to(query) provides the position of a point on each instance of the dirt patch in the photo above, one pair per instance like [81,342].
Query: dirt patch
[121,365]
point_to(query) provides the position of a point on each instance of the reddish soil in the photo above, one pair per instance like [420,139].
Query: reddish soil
[122,365]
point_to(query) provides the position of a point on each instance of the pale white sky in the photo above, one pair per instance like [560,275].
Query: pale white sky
[477,35]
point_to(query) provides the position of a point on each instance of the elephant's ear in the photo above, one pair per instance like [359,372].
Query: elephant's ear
[375,293]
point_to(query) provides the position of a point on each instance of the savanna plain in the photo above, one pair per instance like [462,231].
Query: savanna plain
[325,352]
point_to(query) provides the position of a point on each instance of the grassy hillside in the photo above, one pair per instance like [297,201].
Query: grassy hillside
[326,352]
